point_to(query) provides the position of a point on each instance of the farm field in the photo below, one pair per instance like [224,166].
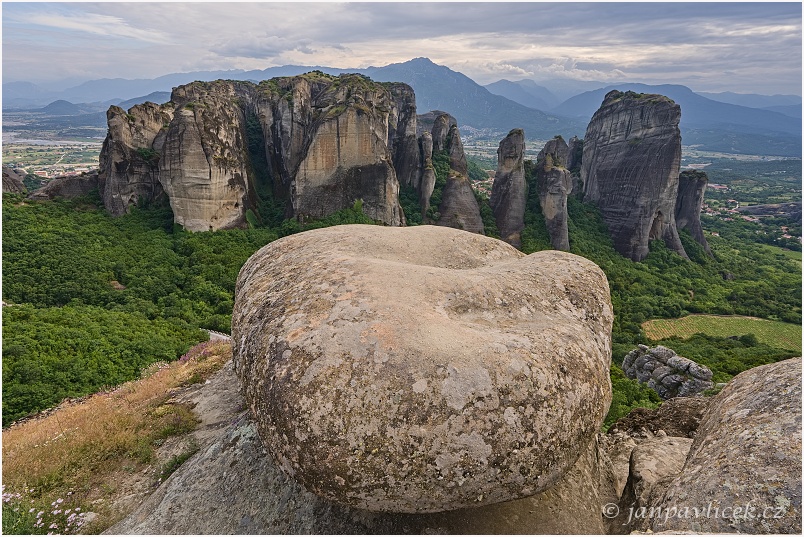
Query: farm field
[773,333]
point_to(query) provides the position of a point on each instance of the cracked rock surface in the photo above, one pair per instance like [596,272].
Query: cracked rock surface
[421,369]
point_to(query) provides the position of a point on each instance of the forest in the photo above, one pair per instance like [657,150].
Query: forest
[91,299]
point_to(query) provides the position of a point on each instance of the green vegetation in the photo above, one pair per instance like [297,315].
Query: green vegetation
[773,333]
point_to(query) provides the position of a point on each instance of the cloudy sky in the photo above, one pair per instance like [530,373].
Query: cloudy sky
[740,47]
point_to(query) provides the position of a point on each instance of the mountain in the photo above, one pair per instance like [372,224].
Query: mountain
[440,88]
[752,100]
[63,108]
[792,110]
[157,97]
[716,125]
[524,92]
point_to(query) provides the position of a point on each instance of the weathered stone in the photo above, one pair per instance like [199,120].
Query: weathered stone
[427,187]
[691,189]
[203,167]
[667,373]
[12,181]
[324,141]
[509,191]
[129,160]
[440,131]
[457,158]
[402,139]
[459,208]
[233,486]
[743,471]
[652,461]
[631,158]
[555,183]
[574,154]
[67,187]
[479,381]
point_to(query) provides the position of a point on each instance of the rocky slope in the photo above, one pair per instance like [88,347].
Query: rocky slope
[12,181]
[631,157]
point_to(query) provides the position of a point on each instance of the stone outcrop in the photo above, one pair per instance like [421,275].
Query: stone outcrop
[481,380]
[442,123]
[631,158]
[574,154]
[320,143]
[12,181]
[509,191]
[233,486]
[402,137]
[666,372]
[129,159]
[458,208]
[679,416]
[554,182]
[691,189]
[68,187]
[743,471]
[652,462]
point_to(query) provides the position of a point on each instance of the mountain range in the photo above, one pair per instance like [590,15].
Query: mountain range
[714,121]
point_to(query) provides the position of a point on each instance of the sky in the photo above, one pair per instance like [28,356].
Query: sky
[724,46]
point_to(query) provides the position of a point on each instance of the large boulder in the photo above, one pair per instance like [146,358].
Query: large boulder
[743,471]
[68,187]
[630,165]
[509,191]
[480,379]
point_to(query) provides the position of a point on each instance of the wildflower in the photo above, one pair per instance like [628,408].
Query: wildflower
[77,509]
[57,511]
[39,514]
[59,500]
[53,526]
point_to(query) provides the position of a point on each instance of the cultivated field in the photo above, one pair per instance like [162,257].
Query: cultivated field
[773,333]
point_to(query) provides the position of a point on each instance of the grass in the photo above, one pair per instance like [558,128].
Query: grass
[89,454]
[790,254]
[773,333]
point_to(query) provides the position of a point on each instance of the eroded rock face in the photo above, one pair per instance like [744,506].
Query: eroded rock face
[666,372]
[691,189]
[745,460]
[440,131]
[459,208]
[323,143]
[203,168]
[631,158]
[555,183]
[479,381]
[12,181]
[129,158]
[509,191]
[68,187]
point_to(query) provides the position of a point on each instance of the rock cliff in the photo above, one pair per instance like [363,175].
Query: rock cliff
[12,181]
[321,142]
[68,187]
[481,380]
[691,189]
[509,191]
[554,182]
[631,157]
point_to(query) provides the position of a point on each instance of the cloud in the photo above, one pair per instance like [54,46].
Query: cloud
[103,25]
[267,46]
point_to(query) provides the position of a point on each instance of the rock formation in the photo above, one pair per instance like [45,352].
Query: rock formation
[554,182]
[441,127]
[509,191]
[129,159]
[666,372]
[67,187]
[324,142]
[458,208]
[481,380]
[12,181]
[428,179]
[631,158]
[233,486]
[743,471]
[691,189]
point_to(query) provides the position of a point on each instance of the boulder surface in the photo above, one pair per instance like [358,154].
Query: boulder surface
[421,369]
